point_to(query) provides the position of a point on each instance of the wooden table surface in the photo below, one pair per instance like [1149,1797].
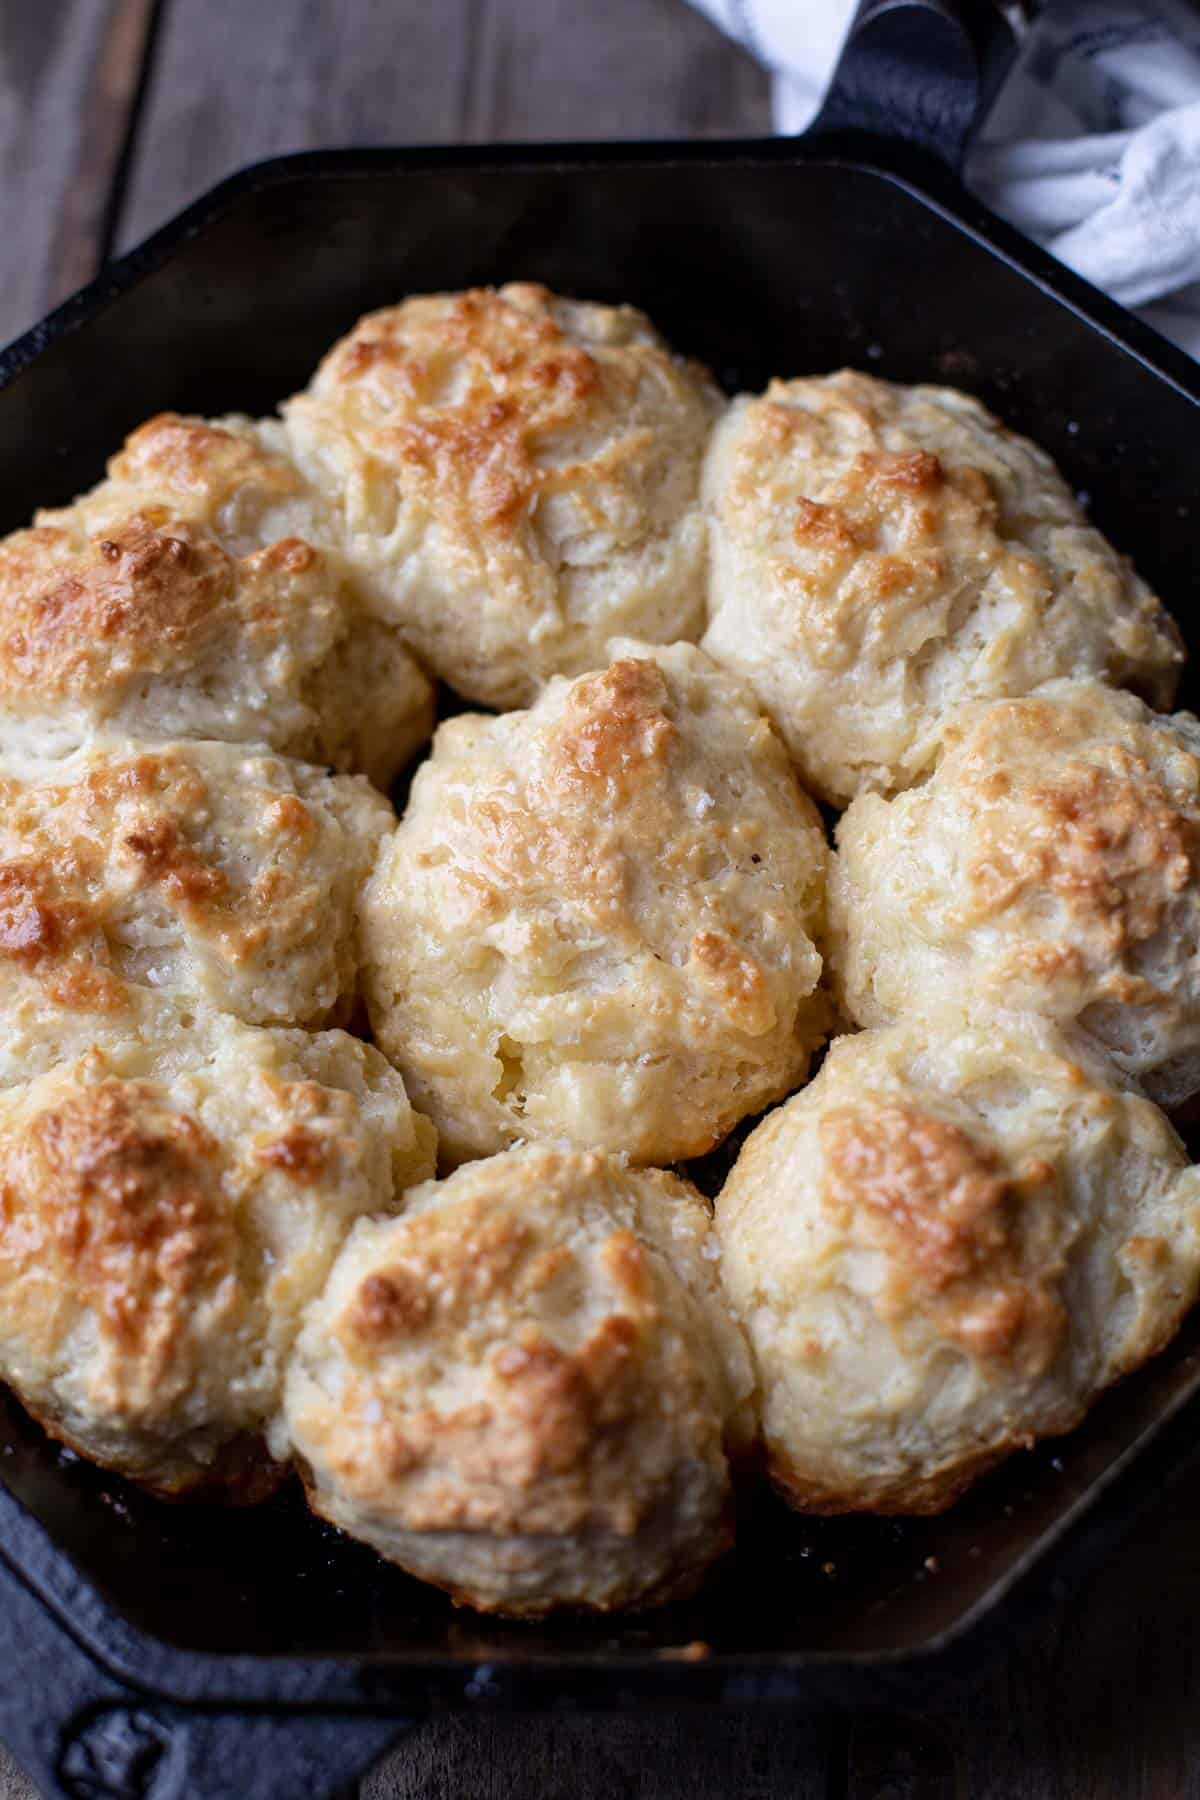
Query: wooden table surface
[113,113]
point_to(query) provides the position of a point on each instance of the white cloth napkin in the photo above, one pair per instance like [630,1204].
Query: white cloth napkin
[1093,147]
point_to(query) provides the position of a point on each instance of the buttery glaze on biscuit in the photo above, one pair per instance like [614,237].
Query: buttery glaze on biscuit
[882,553]
[524,1388]
[170,1200]
[515,476]
[226,874]
[195,593]
[597,920]
[944,1248]
[1051,862]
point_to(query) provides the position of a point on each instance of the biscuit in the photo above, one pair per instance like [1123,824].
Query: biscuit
[524,1387]
[596,922]
[170,1200]
[944,1248]
[164,604]
[515,478]
[232,478]
[226,874]
[1050,863]
[882,553]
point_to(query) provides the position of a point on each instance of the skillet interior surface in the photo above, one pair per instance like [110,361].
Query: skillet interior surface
[759,263]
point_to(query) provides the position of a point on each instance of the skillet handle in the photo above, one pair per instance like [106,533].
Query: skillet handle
[923,71]
[82,1734]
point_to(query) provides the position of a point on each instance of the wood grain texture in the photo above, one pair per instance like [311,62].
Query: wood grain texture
[69,72]
[619,1756]
[235,82]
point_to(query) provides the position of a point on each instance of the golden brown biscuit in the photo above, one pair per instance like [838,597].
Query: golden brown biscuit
[1051,863]
[881,553]
[170,1201]
[179,599]
[523,1388]
[944,1248]
[596,922]
[515,476]
[232,478]
[228,875]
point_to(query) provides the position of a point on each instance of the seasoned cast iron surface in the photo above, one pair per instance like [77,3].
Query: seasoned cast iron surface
[759,266]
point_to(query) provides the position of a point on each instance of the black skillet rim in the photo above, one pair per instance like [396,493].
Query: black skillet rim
[1077,1541]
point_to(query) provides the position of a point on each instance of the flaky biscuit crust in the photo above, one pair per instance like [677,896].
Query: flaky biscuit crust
[881,553]
[195,593]
[515,476]
[945,1248]
[523,1388]
[1052,861]
[597,920]
[232,478]
[225,874]
[170,1201]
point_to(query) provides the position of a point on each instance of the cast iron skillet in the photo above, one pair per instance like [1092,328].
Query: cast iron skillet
[159,1651]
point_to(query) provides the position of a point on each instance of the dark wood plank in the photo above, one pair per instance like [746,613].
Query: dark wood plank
[622,1756]
[891,1757]
[234,82]
[1100,1702]
[69,71]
